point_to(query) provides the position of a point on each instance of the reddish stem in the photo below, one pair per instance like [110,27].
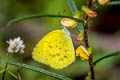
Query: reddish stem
[90,4]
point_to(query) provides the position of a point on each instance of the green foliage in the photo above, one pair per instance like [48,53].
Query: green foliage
[73,9]
[72,6]
[107,56]
[1,71]
[40,70]
[3,75]
[80,28]
[113,3]
[41,16]
[12,74]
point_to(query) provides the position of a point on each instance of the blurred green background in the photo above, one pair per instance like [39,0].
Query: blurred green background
[103,37]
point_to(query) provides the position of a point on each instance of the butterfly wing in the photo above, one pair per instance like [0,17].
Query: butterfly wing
[55,49]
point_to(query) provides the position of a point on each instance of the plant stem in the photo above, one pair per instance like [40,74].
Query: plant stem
[90,57]
[91,67]
[18,72]
[20,67]
[86,36]
[90,4]
[3,76]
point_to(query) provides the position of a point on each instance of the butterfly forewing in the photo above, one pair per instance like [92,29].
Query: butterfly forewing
[55,49]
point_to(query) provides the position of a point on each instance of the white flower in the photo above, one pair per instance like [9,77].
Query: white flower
[16,45]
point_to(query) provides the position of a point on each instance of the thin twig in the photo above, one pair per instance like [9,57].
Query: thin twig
[20,67]
[90,4]
[18,72]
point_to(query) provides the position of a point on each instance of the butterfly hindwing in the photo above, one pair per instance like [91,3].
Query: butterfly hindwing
[55,49]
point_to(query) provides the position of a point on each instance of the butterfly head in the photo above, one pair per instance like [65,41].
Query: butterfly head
[66,31]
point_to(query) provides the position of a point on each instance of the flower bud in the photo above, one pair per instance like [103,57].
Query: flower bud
[93,1]
[89,12]
[82,52]
[103,2]
[69,23]
[77,14]
[90,50]
[88,77]
[80,36]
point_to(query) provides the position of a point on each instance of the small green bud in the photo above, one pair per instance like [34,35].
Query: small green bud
[89,12]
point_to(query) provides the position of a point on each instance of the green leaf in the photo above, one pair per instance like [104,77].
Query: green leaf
[1,71]
[74,9]
[41,16]
[12,74]
[72,6]
[80,28]
[3,76]
[113,3]
[41,71]
[107,56]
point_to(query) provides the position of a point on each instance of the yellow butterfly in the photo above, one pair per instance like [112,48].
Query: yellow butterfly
[55,49]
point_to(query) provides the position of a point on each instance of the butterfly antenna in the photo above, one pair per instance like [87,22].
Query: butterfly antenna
[73,35]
